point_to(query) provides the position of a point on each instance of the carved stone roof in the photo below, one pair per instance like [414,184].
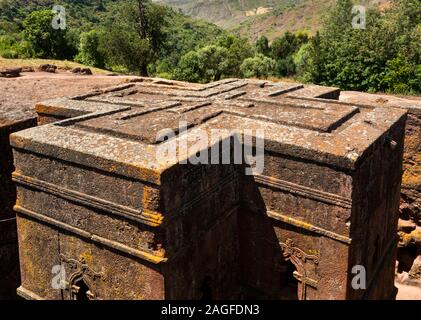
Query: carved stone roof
[117,128]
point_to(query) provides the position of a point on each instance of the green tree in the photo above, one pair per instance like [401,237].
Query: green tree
[203,65]
[184,34]
[238,49]
[286,67]
[302,59]
[402,76]
[135,38]
[262,46]
[190,68]
[383,57]
[45,40]
[259,66]
[90,49]
[287,45]
[283,50]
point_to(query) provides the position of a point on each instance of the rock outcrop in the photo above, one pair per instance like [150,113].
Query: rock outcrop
[10,72]
[82,71]
[48,68]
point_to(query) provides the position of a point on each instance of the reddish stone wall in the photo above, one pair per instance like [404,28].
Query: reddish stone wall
[409,253]
[66,231]
[409,227]
[107,271]
[275,213]
[9,266]
[201,232]
[375,216]
[264,268]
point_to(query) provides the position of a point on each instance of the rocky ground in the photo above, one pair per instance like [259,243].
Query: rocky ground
[19,95]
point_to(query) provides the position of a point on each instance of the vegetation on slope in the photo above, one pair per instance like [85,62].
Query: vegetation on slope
[385,56]
[141,37]
[95,27]
[224,13]
[274,18]
[288,15]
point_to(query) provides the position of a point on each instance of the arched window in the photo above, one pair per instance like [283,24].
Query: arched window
[288,283]
[81,291]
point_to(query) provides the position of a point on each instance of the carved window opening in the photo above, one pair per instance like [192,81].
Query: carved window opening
[206,289]
[81,280]
[81,291]
[304,264]
[288,281]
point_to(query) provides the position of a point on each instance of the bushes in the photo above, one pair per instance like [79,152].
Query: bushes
[259,66]
[402,76]
[262,46]
[13,48]
[90,50]
[383,57]
[386,56]
[8,47]
[237,50]
[44,39]
[204,65]
[285,67]
[302,59]
[215,61]
[281,51]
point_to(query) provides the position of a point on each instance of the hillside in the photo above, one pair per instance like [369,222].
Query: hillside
[224,13]
[80,14]
[304,15]
[254,18]
[250,18]
[183,33]
[288,15]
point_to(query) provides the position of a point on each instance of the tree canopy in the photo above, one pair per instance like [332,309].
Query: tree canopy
[143,37]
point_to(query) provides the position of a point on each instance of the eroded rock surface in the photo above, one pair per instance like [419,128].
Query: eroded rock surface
[409,253]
